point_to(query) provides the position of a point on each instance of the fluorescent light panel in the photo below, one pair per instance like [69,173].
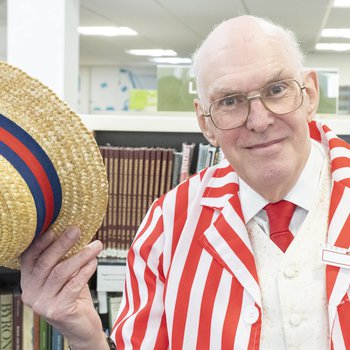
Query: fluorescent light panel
[341,3]
[106,31]
[152,52]
[171,60]
[336,33]
[333,46]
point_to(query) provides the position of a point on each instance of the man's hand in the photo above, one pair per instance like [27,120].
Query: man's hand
[58,290]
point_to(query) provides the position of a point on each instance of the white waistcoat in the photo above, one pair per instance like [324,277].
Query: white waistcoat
[293,287]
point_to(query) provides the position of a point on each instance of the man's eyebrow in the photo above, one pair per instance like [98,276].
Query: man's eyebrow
[217,92]
[223,91]
[276,76]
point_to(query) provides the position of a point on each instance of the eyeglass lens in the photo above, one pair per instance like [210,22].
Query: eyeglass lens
[279,97]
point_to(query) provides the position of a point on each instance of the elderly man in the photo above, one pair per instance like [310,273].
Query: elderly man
[231,258]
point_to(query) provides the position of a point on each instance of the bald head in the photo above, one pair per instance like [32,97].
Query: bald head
[233,34]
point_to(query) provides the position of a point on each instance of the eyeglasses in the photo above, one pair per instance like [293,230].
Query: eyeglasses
[232,111]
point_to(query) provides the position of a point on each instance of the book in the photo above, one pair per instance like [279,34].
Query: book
[177,160]
[115,204]
[17,319]
[168,170]
[129,231]
[28,328]
[211,155]
[202,156]
[56,339]
[36,332]
[140,187]
[152,171]
[163,171]
[157,172]
[6,333]
[44,334]
[187,154]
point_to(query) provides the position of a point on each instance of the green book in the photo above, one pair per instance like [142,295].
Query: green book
[44,334]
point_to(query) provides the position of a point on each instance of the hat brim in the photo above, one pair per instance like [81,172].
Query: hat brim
[81,186]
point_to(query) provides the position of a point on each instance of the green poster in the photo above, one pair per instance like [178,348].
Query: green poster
[176,89]
[329,90]
[143,100]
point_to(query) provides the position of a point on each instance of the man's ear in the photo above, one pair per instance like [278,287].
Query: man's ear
[205,123]
[312,93]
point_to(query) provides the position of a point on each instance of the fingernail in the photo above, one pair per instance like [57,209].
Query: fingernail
[95,244]
[73,232]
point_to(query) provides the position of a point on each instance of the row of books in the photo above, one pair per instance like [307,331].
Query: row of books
[139,175]
[22,329]
[136,177]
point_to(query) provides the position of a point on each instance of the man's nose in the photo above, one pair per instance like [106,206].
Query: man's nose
[259,117]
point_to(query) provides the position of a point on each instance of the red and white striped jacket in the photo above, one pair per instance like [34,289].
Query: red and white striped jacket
[191,274]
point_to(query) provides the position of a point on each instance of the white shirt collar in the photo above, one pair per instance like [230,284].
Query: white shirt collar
[252,202]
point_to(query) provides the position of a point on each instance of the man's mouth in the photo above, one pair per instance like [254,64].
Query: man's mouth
[265,144]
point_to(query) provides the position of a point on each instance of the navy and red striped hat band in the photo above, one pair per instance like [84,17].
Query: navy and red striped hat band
[36,169]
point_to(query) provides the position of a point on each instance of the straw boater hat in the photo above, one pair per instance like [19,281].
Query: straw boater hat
[51,170]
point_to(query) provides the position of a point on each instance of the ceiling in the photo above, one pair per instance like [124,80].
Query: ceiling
[182,24]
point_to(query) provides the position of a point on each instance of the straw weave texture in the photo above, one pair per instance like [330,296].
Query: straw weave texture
[73,152]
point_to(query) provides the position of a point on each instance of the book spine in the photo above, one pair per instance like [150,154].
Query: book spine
[152,167]
[146,181]
[6,320]
[187,153]
[101,231]
[211,155]
[157,172]
[111,214]
[140,188]
[163,171]
[17,319]
[202,156]
[44,334]
[27,328]
[36,332]
[134,194]
[176,168]
[56,339]
[129,199]
[169,169]
[114,195]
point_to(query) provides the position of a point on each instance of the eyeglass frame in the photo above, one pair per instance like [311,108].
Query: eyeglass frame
[254,97]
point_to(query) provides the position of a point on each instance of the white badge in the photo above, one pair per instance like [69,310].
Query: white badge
[335,256]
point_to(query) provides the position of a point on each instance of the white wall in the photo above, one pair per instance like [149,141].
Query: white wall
[3,30]
[324,60]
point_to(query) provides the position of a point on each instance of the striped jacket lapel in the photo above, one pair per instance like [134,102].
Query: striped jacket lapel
[337,279]
[226,239]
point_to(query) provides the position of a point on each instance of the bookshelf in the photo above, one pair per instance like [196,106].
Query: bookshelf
[178,122]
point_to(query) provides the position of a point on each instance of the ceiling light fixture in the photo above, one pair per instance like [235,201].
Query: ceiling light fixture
[336,33]
[171,60]
[152,52]
[333,46]
[341,3]
[106,31]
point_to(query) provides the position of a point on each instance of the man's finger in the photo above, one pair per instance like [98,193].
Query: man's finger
[32,253]
[51,256]
[66,270]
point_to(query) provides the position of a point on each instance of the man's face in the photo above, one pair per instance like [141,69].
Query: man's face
[269,149]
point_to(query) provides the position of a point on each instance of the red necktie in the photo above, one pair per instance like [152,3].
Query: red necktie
[280,214]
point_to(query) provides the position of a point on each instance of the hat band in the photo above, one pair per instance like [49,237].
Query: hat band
[36,169]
